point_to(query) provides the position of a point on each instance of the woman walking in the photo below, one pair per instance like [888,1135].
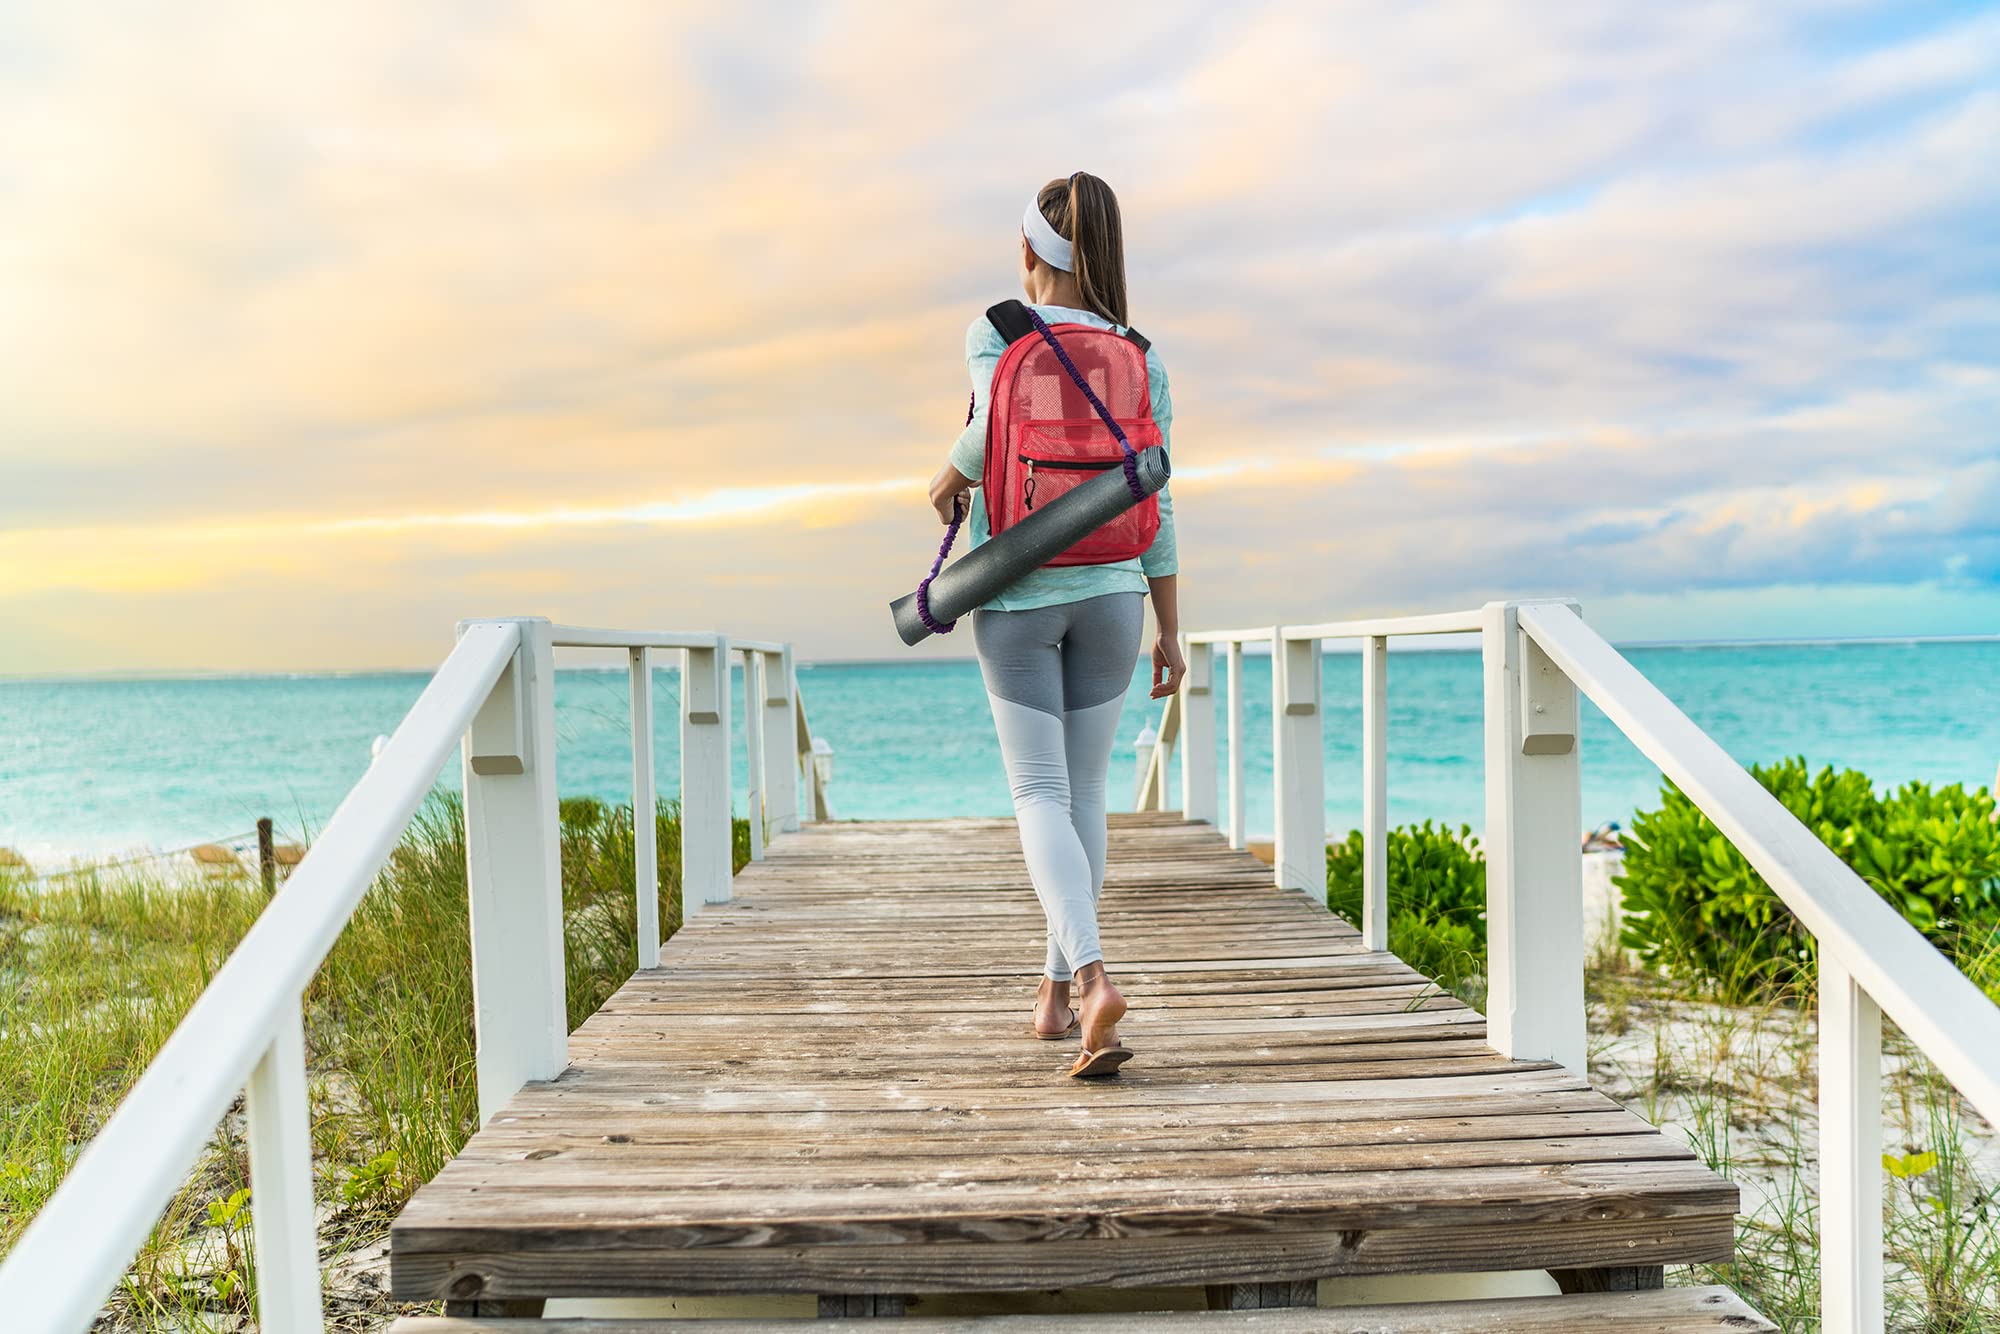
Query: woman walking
[1057,648]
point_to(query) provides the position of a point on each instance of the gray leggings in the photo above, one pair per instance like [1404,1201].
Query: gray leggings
[1056,677]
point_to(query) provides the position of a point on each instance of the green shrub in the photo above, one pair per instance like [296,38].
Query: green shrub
[1437,899]
[1693,906]
[1937,858]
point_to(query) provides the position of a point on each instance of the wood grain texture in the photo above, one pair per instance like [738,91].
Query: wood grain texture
[1262,1296]
[1610,1278]
[1706,1310]
[829,1086]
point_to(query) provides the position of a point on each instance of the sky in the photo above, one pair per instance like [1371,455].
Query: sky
[324,327]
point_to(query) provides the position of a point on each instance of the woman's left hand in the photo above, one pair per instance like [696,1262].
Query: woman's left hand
[951,490]
[1168,666]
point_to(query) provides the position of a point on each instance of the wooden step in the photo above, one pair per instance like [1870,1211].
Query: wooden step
[1663,1311]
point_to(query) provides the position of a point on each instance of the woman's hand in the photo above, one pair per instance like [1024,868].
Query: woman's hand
[951,489]
[1168,666]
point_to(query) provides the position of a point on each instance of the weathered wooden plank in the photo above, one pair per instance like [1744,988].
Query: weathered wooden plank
[719,1212]
[917,1078]
[1258,1256]
[921,1133]
[633,1166]
[1702,1310]
[622,1088]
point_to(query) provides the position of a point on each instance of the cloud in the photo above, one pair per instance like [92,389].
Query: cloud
[392,310]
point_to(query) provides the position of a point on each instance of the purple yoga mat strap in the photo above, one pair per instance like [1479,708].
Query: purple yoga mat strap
[1117,431]
[938,627]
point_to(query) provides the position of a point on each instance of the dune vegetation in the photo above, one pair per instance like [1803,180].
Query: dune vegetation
[95,971]
[1702,1020]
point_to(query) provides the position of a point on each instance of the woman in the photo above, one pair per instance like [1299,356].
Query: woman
[1057,648]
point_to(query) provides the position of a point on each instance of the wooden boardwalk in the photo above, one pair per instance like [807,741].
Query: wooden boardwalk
[829,1086]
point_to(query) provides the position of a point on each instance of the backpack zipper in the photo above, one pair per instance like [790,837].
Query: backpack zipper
[1068,465]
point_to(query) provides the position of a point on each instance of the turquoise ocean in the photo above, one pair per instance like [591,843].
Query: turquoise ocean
[98,767]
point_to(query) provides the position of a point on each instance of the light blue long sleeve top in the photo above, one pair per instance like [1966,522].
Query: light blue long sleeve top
[1051,585]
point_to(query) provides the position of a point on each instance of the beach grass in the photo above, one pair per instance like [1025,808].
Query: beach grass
[1739,1084]
[95,971]
[1706,1039]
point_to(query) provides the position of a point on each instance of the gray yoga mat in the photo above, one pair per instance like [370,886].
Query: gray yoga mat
[986,571]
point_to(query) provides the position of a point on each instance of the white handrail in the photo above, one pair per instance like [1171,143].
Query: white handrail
[1871,961]
[587,636]
[1539,659]
[492,697]
[57,1275]
[1936,1006]
[1260,635]
[1438,623]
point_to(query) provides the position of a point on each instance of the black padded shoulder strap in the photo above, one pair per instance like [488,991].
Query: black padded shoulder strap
[1010,318]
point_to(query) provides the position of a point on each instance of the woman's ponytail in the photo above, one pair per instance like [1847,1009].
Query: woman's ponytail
[1084,212]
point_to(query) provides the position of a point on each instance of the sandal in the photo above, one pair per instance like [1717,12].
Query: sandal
[1075,1019]
[1097,1064]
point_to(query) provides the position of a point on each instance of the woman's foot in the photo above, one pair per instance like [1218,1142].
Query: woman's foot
[1054,1017]
[1102,1007]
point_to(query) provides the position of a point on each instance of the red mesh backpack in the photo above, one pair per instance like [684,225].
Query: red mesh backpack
[1044,437]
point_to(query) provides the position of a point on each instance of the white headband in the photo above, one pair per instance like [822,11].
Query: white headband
[1045,240]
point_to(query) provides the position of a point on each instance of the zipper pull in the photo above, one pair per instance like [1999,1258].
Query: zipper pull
[1028,492]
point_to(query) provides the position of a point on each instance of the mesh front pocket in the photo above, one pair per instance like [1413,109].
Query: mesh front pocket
[1055,457]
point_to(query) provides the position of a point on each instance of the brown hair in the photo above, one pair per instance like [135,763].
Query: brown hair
[1084,212]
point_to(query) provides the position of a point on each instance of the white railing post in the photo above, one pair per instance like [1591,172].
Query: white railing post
[514,876]
[279,1125]
[1236,813]
[753,750]
[1198,734]
[1534,857]
[707,842]
[645,810]
[781,761]
[800,733]
[1850,1153]
[1375,792]
[809,795]
[821,763]
[1163,751]
[1298,762]
[1155,757]
[811,750]
[1146,756]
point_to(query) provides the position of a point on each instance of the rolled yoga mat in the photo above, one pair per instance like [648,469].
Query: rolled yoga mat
[988,570]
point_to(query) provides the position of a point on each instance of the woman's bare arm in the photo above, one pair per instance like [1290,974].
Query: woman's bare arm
[1168,664]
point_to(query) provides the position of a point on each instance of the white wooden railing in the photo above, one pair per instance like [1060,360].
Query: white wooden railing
[494,700]
[1539,656]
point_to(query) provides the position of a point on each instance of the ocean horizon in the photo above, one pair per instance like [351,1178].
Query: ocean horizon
[106,766]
